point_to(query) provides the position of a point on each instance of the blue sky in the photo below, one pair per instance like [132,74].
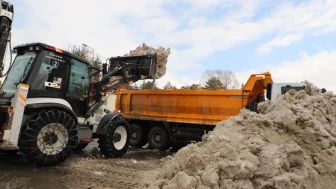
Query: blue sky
[294,40]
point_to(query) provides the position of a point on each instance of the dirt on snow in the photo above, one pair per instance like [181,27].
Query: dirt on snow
[289,144]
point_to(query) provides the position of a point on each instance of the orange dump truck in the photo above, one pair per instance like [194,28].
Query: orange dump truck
[173,118]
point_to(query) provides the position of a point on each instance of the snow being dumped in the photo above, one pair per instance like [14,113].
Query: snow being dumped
[289,144]
[162,57]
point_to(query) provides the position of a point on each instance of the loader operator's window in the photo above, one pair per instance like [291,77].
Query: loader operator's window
[79,80]
[19,71]
[78,91]
[51,72]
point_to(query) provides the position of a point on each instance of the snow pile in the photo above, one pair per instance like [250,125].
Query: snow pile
[290,144]
[162,57]
[8,181]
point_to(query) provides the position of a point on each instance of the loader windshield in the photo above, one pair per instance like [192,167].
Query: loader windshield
[18,72]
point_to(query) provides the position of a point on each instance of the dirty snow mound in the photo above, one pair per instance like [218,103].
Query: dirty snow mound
[289,144]
[8,181]
[162,57]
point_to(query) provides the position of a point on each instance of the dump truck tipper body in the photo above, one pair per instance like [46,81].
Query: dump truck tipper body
[204,107]
[183,106]
[165,118]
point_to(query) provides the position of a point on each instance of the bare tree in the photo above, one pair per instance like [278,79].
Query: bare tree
[227,78]
[148,85]
[168,85]
[86,53]
[82,51]
[97,63]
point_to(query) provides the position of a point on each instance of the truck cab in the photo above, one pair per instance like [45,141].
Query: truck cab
[276,89]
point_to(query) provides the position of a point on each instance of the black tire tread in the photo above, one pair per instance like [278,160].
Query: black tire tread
[142,141]
[105,142]
[165,144]
[29,132]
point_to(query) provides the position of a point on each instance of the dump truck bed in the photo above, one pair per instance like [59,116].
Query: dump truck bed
[187,106]
[206,107]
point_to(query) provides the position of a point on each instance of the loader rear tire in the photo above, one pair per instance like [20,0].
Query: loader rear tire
[158,138]
[48,137]
[116,142]
[137,136]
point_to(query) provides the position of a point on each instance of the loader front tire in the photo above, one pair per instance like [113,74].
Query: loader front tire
[48,137]
[116,142]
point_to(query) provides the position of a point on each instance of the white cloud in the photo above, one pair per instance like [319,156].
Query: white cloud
[177,80]
[113,28]
[279,42]
[110,24]
[317,68]
[292,22]
[289,23]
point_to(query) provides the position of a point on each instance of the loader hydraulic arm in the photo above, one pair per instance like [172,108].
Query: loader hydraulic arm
[6,19]
[118,72]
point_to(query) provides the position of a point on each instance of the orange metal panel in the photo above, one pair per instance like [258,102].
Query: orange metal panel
[189,106]
[201,107]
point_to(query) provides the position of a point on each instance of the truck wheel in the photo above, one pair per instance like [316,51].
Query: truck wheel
[48,138]
[158,138]
[115,143]
[137,136]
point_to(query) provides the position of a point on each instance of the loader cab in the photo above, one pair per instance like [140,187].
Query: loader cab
[50,73]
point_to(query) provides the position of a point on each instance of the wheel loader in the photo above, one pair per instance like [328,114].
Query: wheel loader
[47,99]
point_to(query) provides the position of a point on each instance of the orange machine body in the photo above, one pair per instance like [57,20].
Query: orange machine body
[206,107]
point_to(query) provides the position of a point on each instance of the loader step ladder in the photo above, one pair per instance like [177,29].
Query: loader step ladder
[16,111]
